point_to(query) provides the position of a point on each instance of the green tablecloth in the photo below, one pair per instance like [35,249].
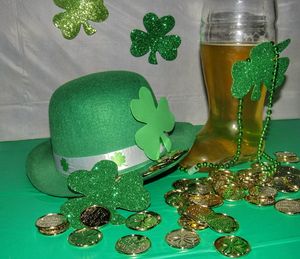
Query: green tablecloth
[270,233]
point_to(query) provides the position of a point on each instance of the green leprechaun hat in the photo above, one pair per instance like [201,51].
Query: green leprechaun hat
[106,116]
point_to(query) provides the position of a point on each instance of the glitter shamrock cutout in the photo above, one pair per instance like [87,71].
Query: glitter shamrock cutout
[64,164]
[79,12]
[158,120]
[258,70]
[155,39]
[119,158]
[103,186]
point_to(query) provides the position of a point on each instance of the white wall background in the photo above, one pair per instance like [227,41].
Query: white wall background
[35,59]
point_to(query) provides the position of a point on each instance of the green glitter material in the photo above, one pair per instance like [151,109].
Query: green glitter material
[104,187]
[155,39]
[79,12]
[259,70]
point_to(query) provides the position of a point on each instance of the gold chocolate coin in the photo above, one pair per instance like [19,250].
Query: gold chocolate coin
[260,201]
[208,200]
[95,216]
[133,244]
[284,184]
[52,224]
[286,157]
[288,206]
[85,237]
[198,213]
[199,188]
[232,192]
[232,246]
[190,224]
[181,184]
[263,191]
[222,223]
[182,239]
[174,198]
[143,220]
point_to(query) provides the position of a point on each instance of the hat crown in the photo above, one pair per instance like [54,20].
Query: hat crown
[91,115]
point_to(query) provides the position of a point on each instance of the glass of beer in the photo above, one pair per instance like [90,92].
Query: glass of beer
[229,30]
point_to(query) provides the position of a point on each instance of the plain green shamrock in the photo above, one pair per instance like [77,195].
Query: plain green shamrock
[103,186]
[79,12]
[260,69]
[119,158]
[155,39]
[158,120]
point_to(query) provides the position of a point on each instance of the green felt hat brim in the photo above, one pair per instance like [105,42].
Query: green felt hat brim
[42,173]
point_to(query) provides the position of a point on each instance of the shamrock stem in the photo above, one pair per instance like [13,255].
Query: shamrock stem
[152,58]
[89,30]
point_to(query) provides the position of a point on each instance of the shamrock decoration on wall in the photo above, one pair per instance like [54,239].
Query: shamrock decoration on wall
[79,12]
[259,70]
[158,120]
[104,187]
[155,39]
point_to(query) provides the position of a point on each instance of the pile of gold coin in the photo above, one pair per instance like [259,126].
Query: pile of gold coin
[195,199]
[52,224]
[95,217]
[92,217]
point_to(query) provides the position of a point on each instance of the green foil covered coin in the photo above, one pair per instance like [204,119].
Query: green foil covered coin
[232,246]
[222,223]
[143,220]
[85,237]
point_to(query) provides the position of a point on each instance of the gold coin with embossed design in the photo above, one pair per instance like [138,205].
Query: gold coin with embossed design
[133,244]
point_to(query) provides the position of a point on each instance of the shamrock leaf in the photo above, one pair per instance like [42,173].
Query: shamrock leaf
[158,120]
[155,39]
[64,164]
[103,186]
[119,158]
[79,12]
[259,69]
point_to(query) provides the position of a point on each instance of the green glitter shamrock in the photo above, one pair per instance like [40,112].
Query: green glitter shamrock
[158,121]
[79,12]
[155,39]
[258,70]
[104,187]
[64,164]
[119,158]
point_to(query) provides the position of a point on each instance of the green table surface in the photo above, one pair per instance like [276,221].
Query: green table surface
[270,233]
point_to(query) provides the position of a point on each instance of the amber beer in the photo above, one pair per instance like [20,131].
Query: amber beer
[216,142]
